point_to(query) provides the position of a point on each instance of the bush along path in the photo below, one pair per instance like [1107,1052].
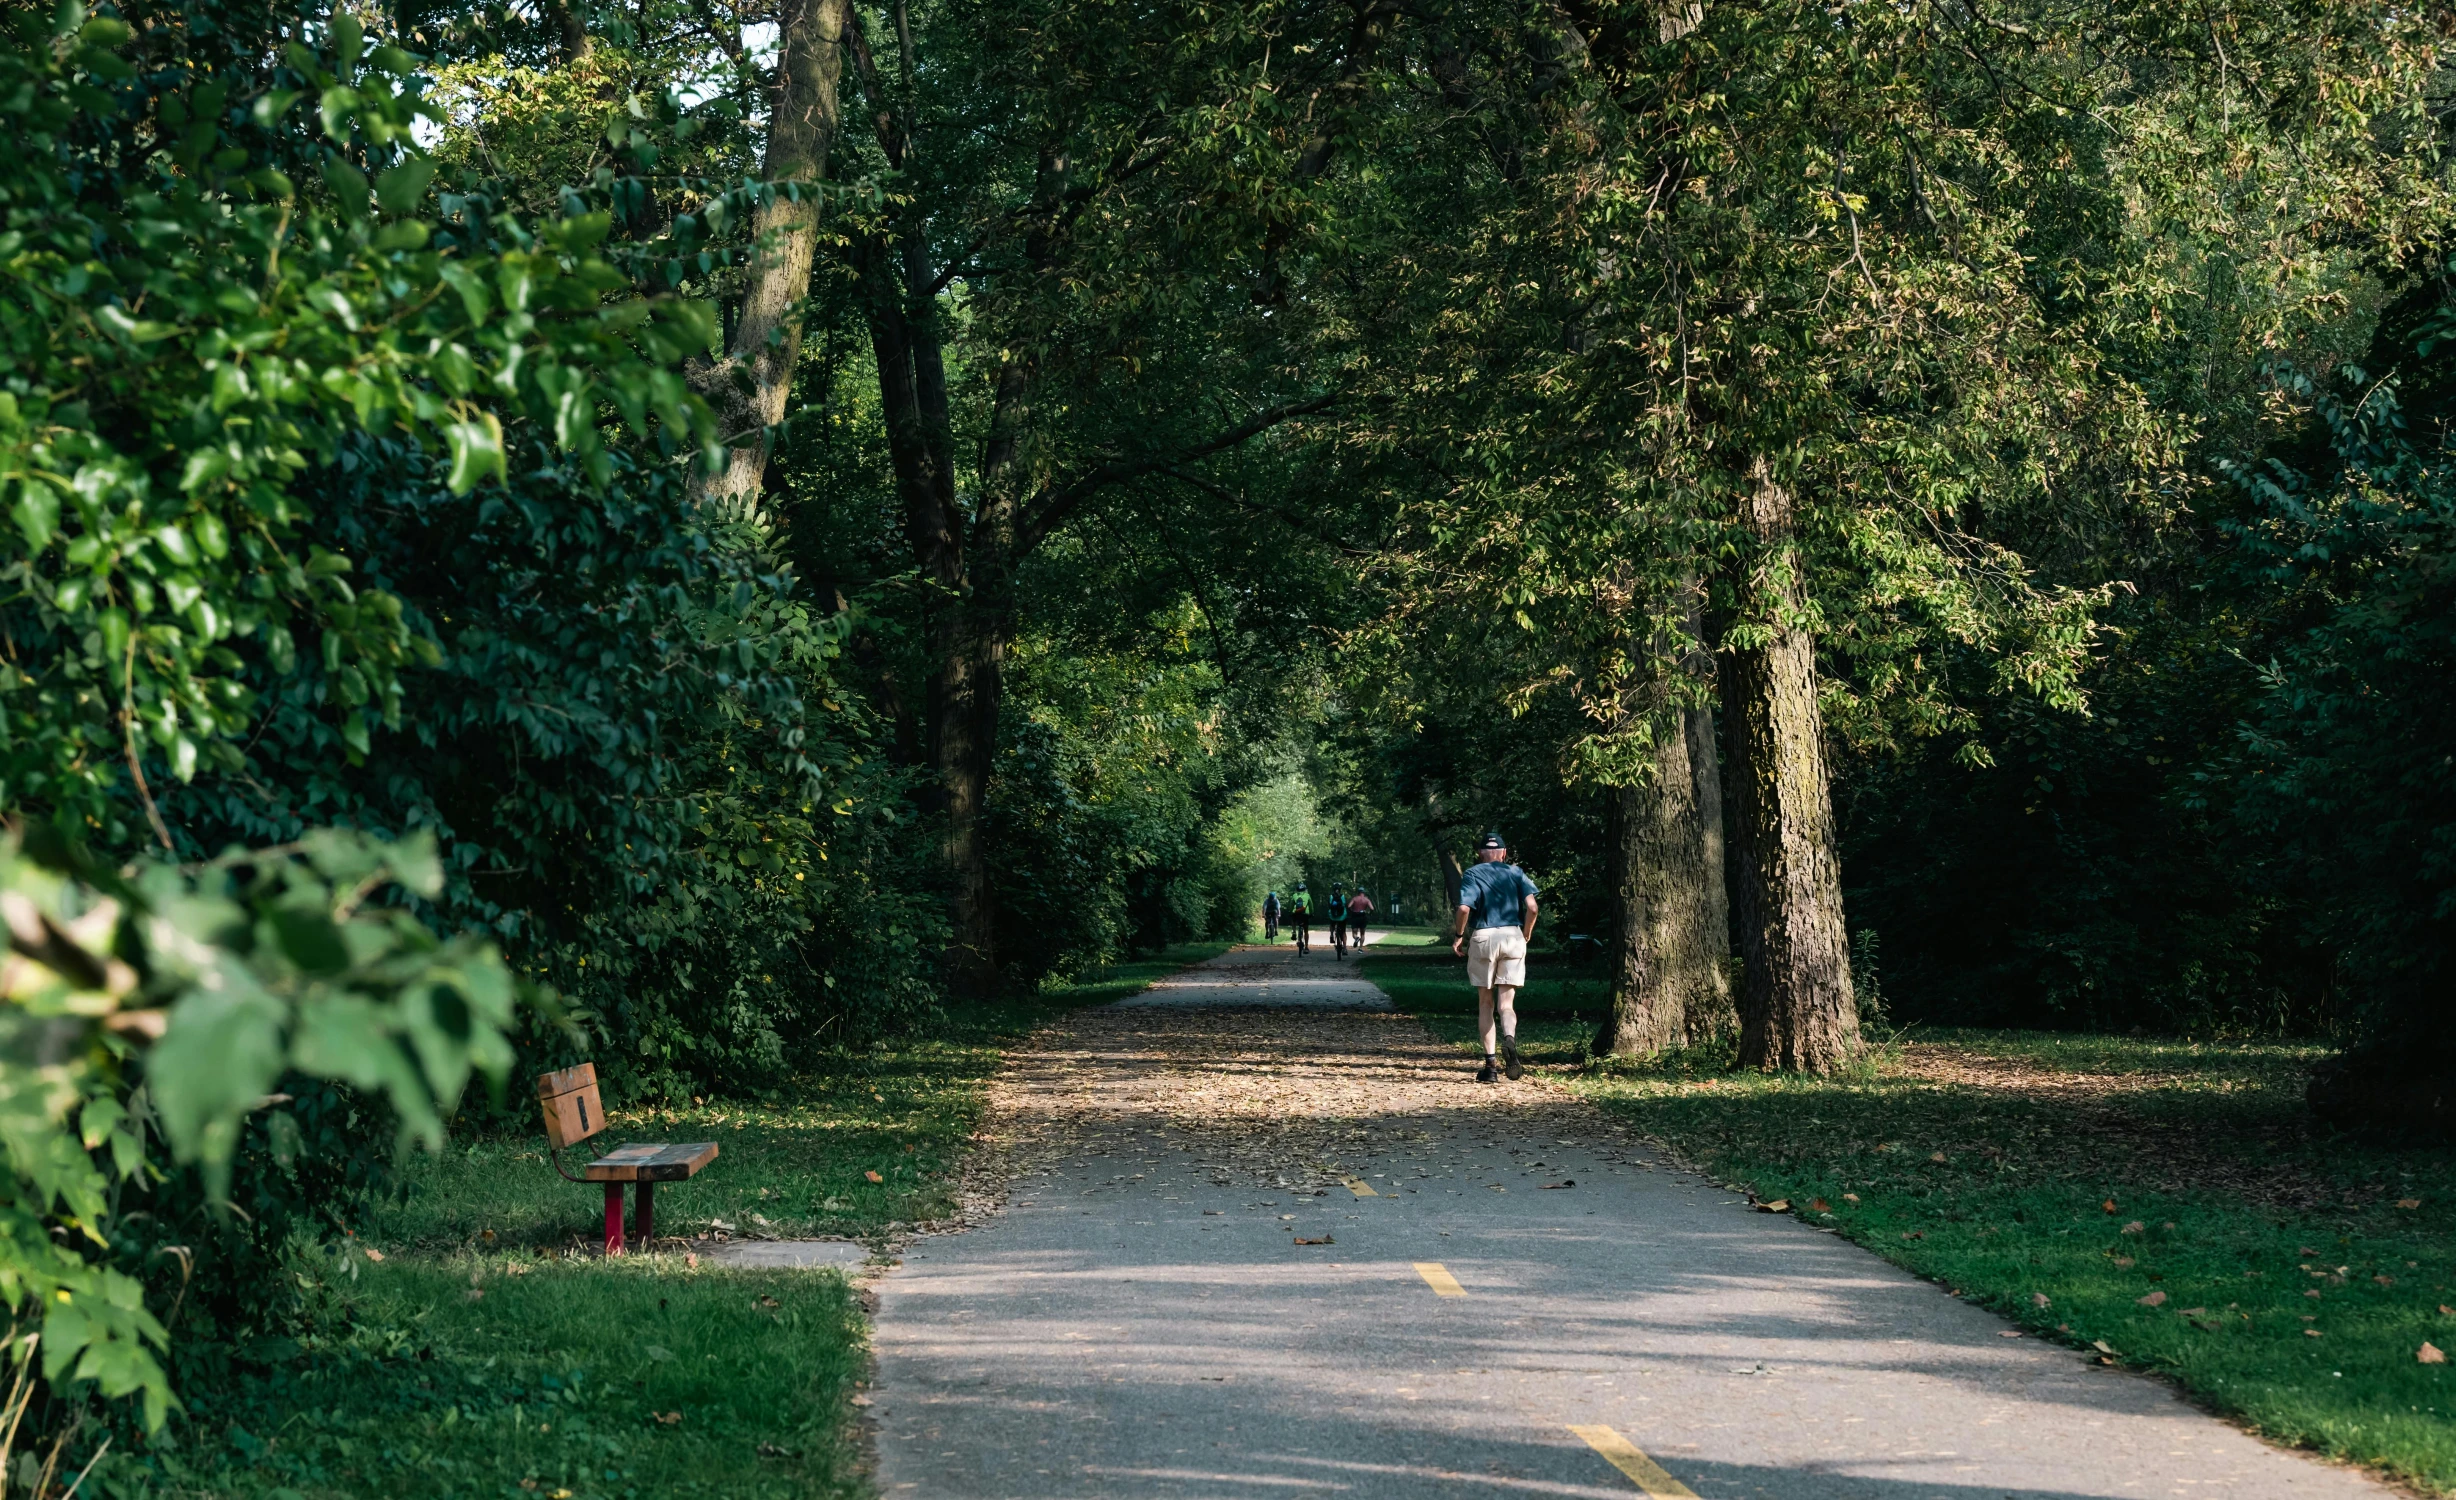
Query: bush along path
[2159,1206]
[1267,1236]
[465,1339]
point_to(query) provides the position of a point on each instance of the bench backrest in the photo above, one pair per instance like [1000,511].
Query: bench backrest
[568,1099]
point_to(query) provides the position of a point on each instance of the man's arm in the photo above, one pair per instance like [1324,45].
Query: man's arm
[1530,919]
[1459,936]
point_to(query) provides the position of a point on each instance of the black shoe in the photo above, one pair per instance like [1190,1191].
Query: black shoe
[1509,1054]
[1487,1073]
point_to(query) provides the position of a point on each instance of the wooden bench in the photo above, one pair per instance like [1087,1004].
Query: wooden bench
[568,1099]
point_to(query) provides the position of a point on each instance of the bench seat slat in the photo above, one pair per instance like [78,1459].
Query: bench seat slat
[651,1162]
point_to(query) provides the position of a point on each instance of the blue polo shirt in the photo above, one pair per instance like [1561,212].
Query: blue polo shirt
[1495,895]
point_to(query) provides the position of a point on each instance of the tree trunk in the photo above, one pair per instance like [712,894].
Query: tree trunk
[1797,1013]
[578,46]
[971,681]
[1712,1012]
[751,386]
[1669,981]
[1451,875]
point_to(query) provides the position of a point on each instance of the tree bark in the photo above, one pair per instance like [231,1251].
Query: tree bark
[1797,1012]
[578,46]
[1712,1011]
[750,387]
[968,690]
[1669,980]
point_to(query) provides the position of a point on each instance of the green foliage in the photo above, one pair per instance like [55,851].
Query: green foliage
[186,343]
[2343,772]
[148,1017]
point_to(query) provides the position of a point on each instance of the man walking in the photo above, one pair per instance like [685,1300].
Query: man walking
[1496,918]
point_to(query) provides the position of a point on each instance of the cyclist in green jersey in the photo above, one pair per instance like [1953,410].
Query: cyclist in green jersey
[1299,912]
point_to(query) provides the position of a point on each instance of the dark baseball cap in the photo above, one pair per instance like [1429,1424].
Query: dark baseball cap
[1493,840]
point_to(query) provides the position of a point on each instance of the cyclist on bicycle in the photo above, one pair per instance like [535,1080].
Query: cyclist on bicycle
[1299,912]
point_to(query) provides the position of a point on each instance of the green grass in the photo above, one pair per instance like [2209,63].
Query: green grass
[1987,1161]
[482,1357]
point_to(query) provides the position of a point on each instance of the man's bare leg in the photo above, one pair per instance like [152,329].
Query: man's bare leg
[1483,1019]
[1503,998]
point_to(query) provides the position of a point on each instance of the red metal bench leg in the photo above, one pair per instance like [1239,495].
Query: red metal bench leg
[613,1218]
[644,1213]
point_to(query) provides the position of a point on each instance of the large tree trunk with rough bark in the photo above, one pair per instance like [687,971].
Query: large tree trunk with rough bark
[1669,979]
[1797,1013]
[970,682]
[1712,1010]
[751,386]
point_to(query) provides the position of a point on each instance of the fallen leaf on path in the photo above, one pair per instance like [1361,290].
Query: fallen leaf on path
[2446,1311]
[2412,1203]
[2154,1299]
[1774,1207]
[2041,1299]
[2136,1227]
[2195,1312]
[2305,1250]
[2102,1346]
[2385,1280]
[1919,1235]
[2124,1262]
[1819,1206]
[1324,1240]
[1936,1156]
[2108,1205]
[1850,1197]
[1563,1183]
[690,1261]
[2007,1333]
[874,1177]
[474,1294]
[667,1418]
[2429,1354]
[2311,1333]
[375,1255]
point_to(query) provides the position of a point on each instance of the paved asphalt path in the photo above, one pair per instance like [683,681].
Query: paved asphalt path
[1142,1319]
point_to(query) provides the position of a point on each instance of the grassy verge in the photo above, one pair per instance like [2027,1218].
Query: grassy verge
[2168,1203]
[488,1353]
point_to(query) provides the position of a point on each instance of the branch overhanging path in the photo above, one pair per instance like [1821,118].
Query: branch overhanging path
[1525,1303]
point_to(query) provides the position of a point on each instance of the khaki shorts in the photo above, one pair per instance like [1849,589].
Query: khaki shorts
[1496,956]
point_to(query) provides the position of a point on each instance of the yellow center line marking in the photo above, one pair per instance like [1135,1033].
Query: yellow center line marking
[1625,1456]
[1361,1188]
[1438,1277]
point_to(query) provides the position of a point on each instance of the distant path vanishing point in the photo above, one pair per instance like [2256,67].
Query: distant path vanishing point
[1508,1298]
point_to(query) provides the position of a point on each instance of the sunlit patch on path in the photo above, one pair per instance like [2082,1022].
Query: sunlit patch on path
[1187,1295]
